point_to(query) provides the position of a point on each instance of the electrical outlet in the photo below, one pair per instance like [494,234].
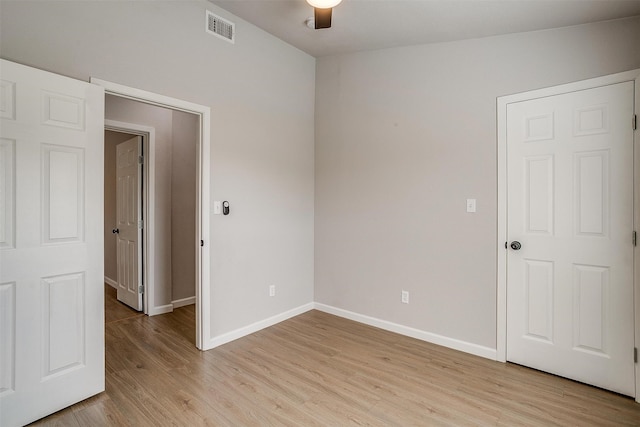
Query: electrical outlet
[471,205]
[405,297]
[272,290]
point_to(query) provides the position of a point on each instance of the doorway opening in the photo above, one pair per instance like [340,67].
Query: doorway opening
[125,261]
[160,296]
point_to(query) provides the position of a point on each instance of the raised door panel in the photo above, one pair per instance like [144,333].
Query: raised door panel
[63,321]
[591,120]
[539,287]
[7,192]
[63,198]
[7,100]
[539,195]
[591,308]
[591,193]
[7,337]
[539,127]
[63,110]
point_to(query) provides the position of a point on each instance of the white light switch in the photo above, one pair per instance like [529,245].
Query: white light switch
[217,207]
[471,205]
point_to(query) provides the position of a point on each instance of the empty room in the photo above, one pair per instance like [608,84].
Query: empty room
[384,212]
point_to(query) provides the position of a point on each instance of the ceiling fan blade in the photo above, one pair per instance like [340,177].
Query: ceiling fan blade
[322,17]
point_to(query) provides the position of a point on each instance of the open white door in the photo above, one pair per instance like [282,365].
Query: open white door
[129,222]
[51,255]
[570,226]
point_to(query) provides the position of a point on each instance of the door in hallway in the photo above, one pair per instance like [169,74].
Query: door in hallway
[129,222]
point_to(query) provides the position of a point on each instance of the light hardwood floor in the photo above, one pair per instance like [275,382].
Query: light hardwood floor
[321,370]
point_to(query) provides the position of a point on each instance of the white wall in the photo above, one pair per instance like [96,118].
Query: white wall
[403,137]
[261,94]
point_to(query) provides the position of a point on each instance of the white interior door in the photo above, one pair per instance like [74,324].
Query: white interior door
[51,260]
[570,206]
[129,222]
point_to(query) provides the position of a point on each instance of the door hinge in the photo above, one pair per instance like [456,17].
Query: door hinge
[635,238]
[201,242]
[635,355]
[140,289]
[140,224]
[140,160]
[635,121]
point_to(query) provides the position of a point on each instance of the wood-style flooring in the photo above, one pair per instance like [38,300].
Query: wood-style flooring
[320,370]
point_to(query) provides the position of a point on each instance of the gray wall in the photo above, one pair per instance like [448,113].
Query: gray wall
[261,94]
[183,205]
[403,137]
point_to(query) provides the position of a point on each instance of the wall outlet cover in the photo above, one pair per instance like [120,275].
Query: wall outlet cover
[471,205]
[405,297]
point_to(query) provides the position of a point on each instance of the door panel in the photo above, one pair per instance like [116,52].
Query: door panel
[51,256]
[7,337]
[63,193]
[539,300]
[570,205]
[591,306]
[7,192]
[128,220]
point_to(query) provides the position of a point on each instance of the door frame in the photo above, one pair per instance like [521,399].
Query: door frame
[203,192]
[501,294]
[147,197]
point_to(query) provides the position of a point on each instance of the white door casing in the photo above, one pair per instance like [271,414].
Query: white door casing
[204,340]
[129,222]
[569,289]
[51,261]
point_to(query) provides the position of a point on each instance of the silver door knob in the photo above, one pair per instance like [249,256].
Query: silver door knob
[515,245]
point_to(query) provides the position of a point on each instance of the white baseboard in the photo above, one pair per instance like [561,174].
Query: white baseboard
[478,350]
[161,309]
[153,311]
[255,327]
[455,344]
[183,301]
[110,282]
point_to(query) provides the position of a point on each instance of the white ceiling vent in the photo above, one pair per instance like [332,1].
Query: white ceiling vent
[220,27]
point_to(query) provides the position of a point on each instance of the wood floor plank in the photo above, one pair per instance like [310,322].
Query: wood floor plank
[101,413]
[63,418]
[320,370]
[114,309]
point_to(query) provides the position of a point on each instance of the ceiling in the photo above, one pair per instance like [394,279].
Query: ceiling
[376,24]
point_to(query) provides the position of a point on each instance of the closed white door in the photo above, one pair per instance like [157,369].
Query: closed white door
[51,260]
[129,222]
[570,228]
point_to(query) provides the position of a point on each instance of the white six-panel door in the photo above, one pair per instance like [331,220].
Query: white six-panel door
[128,222]
[51,243]
[570,206]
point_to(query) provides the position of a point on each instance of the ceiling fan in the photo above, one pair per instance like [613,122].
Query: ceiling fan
[322,12]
